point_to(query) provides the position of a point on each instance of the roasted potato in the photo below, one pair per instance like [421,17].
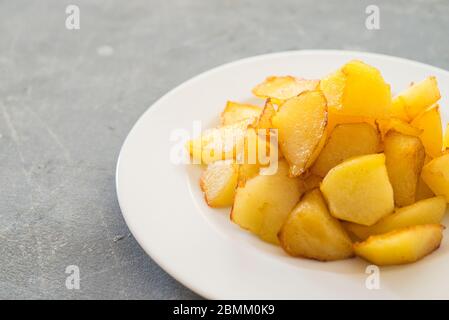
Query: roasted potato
[311,232]
[219,143]
[428,211]
[280,89]
[432,131]
[301,124]
[419,96]
[357,89]
[404,157]
[436,175]
[264,202]
[358,190]
[219,182]
[401,246]
[372,168]
[235,112]
[346,141]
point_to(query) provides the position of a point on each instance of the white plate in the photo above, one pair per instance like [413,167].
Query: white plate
[199,246]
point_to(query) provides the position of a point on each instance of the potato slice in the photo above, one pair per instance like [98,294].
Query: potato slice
[404,159]
[401,246]
[428,211]
[432,131]
[358,190]
[386,125]
[219,143]
[397,109]
[235,112]
[301,124]
[436,175]
[357,89]
[311,232]
[346,141]
[419,96]
[280,89]
[219,182]
[334,119]
[264,202]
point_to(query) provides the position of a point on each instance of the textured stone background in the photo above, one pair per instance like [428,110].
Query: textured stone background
[68,99]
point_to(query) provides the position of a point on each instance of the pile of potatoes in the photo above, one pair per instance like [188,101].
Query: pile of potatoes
[359,172]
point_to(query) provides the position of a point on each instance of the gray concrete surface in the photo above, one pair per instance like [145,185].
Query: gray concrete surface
[68,99]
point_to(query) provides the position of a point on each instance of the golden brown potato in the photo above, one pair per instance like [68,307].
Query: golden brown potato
[264,202]
[357,89]
[346,141]
[219,182]
[301,124]
[219,143]
[432,131]
[419,97]
[311,232]
[436,175]
[235,112]
[428,211]
[404,159]
[401,246]
[358,190]
[280,89]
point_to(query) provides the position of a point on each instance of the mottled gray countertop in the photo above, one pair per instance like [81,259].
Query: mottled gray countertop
[68,98]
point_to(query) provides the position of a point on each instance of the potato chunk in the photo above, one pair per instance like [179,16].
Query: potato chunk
[219,143]
[346,141]
[280,89]
[219,182]
[404,159]
[419,96]
[432,131]
[311,232]
[235,112]
[436,175]
[428,211]
[401,246]
[264,202]
[301,124]
[357,89]
[358,190]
